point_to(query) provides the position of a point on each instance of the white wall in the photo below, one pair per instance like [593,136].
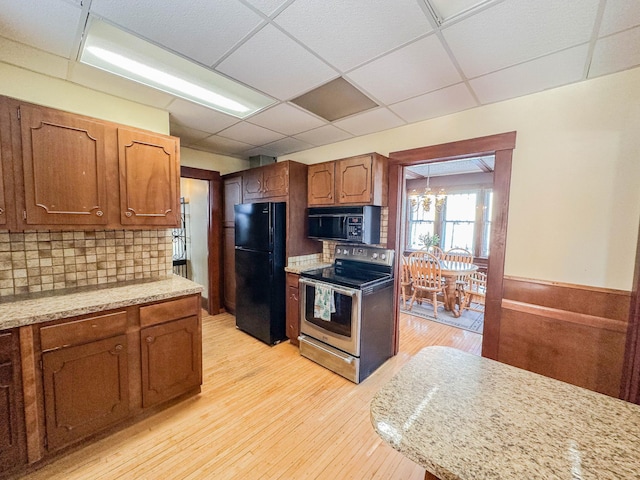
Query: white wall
[57,93]
[196,192]
[575,188]
[211,161]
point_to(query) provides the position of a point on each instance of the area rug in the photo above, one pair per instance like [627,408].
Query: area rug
[471,321]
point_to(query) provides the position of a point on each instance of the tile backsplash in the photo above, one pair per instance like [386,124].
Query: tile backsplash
[50,260]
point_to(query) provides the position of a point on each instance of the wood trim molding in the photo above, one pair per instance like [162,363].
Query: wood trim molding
[502,146]
[214,233]
[630,388]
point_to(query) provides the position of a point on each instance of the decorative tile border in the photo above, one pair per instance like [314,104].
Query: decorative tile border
[50,260]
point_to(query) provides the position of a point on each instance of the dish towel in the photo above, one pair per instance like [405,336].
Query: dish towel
[323,305]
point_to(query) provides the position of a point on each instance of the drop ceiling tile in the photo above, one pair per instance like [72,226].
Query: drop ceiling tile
[251,134]
[347,34]
[273,63]
[267,6]
[516,31]
[21,55]
[424,65]
[222,145]
[50,26]
[534,76]
[196,116]
[259,151]
[286,119]
[370,122]
[619,15]
[287,145]
[616,53]
[203,30]
[323,135]
[188,136]
[435,104]
[121,87]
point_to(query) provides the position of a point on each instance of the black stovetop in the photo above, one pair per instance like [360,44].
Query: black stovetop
[353,276]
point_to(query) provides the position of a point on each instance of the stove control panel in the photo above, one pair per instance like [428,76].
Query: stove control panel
[365,254]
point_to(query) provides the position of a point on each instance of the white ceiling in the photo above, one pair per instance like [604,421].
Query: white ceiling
[398,52]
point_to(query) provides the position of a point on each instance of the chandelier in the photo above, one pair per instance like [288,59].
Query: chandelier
[428,198]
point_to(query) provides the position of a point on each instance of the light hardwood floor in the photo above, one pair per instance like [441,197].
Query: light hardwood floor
[264,413]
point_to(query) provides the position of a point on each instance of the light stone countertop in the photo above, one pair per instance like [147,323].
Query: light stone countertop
[56,304]
[464,417]
[306,266]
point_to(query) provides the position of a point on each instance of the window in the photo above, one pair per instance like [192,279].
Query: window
[464,221]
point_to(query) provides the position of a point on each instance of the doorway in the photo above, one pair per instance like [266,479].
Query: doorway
[202,193]
[501,146]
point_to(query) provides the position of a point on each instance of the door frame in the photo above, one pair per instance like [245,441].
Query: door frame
[214,233]
[500,145]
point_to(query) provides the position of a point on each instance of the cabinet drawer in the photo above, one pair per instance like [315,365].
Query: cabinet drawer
[83,331]
[167,311]
[292,280]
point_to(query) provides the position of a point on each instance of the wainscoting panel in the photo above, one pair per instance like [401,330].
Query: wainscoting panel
[572,333]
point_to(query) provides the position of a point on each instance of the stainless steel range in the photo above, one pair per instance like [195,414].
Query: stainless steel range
[347,322]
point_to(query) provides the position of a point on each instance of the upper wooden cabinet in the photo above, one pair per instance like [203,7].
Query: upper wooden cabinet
[232,196]
[68,171]
[149,179]
[361,180]
[266,182]
[64,166]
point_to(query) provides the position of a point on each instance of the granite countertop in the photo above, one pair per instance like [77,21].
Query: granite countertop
[306,266]
[465,417]
[29,309]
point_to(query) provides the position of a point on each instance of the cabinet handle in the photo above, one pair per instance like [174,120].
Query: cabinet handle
[127,214]
[99,213]
[149,339]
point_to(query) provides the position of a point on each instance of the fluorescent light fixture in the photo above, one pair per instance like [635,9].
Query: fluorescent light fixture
[118,52]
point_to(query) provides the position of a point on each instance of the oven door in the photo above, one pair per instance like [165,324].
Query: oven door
[342,330]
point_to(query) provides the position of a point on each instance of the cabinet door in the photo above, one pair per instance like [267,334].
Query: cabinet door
[86,389]
[171,360]
[232,196]
[5,136]
[293,308]
[64,166]
[252,184]
[275,180]
[12,430]
[229,258]
[354,179]
[321,184]
[149,179]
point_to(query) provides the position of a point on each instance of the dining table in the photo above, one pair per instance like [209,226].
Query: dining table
[454,272]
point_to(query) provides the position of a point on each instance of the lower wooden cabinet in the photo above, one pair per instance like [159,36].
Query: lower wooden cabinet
[86,389]
[293,308]
[12,428]
[171,360]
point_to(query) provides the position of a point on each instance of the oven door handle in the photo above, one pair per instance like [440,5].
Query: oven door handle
[348,360]
[343,291]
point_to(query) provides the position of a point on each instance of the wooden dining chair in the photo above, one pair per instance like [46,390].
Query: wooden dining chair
[474,292]
[458,255]
[426,279]
[436,251]
[405,280]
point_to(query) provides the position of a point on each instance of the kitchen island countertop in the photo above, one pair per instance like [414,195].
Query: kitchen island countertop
[42,307]
[465,417]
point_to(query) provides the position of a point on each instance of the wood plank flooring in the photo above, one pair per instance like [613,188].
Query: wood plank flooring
[264,413]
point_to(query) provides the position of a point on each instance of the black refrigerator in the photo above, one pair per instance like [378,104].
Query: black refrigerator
[260,277]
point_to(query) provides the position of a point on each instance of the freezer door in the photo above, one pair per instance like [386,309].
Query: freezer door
[253,225]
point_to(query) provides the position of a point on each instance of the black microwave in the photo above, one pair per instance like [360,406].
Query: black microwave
[345,224]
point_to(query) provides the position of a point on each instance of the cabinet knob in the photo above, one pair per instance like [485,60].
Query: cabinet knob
[149,339]
[1,211]
[118,347]
[99,213]
[330,196]
[127,214]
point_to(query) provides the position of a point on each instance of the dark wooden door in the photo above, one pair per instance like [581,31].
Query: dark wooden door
[64,168]
[149,179]
[171,360]
[12,429]
[321,184]
[232,196]
[233,186]
[252,184]
[275,180]
[86,389]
